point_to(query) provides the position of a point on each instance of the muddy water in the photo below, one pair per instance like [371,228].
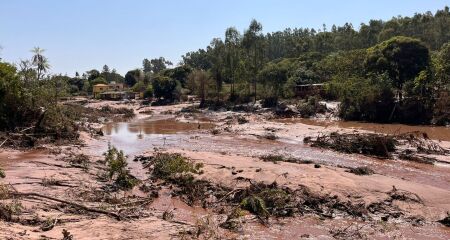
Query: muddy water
[433,132]
[138,136]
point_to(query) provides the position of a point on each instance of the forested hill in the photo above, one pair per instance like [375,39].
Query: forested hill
[432,30]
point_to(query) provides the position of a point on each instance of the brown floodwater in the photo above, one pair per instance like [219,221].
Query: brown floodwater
[141,135]
[434,132]
[140,128]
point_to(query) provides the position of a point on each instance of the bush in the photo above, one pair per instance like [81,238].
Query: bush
[57,125]
[311,107]
[170,165]
[117,168]
[164,87]
[365,99]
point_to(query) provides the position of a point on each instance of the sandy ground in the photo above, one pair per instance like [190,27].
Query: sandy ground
[228,158]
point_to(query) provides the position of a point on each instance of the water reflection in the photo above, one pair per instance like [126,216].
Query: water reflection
[139,128]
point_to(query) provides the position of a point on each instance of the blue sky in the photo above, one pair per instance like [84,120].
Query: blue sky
[80,35]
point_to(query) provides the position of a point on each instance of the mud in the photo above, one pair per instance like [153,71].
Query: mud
[231,158]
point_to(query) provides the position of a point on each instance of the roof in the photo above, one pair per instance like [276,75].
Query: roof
[100,85]
[309,85]
[106,93]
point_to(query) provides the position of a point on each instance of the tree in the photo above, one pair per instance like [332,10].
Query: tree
[164,87]
[147,66]
[199,83]
[402,58]
[216,56]
[253,43]
[132,77]
[197,60]
[155,65]
[273,76]
[232,42]
[92,74]
[443,67]
[40,62]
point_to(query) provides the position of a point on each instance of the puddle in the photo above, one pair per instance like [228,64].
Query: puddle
[434,132]
[140,128]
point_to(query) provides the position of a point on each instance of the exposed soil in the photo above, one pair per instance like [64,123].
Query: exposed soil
[330,194]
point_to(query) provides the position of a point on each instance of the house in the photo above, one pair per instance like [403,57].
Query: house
[97,89]
[111,91]
[309,89]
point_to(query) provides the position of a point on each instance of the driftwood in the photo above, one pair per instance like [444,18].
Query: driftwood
[76,205]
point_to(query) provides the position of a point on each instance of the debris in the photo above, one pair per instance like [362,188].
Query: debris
[67,235]
[362,171]
[446,221]
[242,120]
[369,143]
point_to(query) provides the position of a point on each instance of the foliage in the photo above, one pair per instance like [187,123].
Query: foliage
[155,65]
[170,165]
[311,107]
[364,99]
[117,168]
[402,58]
[165,87]
[199,83]
[132,77]
[148,93]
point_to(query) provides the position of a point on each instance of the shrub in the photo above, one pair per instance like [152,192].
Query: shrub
[117,168]
[311,107]
[170,165]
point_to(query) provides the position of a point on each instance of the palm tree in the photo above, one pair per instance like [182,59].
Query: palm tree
[40,61]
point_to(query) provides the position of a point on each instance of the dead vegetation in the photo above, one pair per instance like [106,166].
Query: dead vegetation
[60,124]
[79,161]
[353,231]
[369,143]
[446,221]
[408,146]
[281,158]
[362,171]
[261,199]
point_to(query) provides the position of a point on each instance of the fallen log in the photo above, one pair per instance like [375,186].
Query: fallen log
[76,205]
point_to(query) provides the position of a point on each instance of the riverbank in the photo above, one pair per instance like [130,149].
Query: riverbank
[230,146]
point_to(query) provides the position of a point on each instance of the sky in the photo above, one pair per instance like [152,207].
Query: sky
[80,35]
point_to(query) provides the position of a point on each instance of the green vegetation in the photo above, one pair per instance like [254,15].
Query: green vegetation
[171,165]
[117,168]
[385,71]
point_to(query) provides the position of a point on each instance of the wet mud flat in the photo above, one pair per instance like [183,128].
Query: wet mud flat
[401,199]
